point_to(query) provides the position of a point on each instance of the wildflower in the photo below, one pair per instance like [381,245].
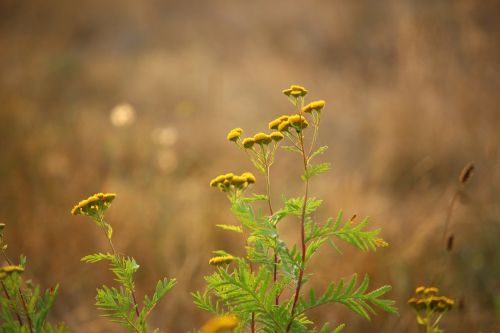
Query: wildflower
[274,123]
[262,138]
[295,91]
[431,291]
[249,177]
[248,142]
[417,304]
[314,106]
[7,270]
[283,127]
[220,324]
[420,290]
[234,134]
[217,180]
[94,204]
[238,181]
[276,136]
[298,122]
[220,260]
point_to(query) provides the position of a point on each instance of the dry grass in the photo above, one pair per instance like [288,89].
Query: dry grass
[412,91]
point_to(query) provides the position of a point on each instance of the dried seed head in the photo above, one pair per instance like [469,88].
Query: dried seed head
[449,244]
[466,173]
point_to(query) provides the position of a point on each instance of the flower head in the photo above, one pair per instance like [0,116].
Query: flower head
[295,91]
[249,177]
[9,269]
[298,122]
[221,260]
[220,324]
[284,126]
[262,138]
[248,142]
[234,134]
[232,183]
[276,136]
[314,106]
[95,204]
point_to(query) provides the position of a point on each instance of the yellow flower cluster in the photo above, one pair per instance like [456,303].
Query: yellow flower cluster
[295,91]
[7,270]
[221,324]
[283,123]
[261,139]
[221,260]
[314,106]
[230,181]
[427,300]
[234,134]
[94,204]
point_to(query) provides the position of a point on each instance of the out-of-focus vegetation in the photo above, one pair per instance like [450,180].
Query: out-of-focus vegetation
[132,97]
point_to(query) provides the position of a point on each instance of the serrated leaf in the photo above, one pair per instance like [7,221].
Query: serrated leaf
[316,169]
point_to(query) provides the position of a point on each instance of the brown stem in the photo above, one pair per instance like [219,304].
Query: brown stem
[8,297]
[26,311]
[22,298]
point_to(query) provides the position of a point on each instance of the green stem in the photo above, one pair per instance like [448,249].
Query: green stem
[103,226]
[302,235]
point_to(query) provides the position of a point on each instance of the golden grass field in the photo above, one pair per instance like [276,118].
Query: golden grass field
[137,98]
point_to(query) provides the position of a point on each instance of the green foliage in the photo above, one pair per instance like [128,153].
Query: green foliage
[24,306]
[266,288]
[120,305]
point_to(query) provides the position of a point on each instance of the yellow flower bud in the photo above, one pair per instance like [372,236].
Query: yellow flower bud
[283,127]
[233,135]
[276,136]
[249,177]
[248,142]
[262,138]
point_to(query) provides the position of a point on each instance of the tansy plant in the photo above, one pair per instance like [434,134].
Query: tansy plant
[119,304]
[267,289]
[24,307]
[430,308]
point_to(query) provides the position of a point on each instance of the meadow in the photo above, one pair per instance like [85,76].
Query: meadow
[137,98]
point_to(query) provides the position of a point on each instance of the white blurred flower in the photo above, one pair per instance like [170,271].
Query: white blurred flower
[122,115]
[166,160]
[165,136]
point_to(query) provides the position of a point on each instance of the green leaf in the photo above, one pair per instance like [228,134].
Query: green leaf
[316,169]
[318,152]
[339,328]
[96,257]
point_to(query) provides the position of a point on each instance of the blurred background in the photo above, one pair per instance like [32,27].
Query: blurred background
[136,97]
